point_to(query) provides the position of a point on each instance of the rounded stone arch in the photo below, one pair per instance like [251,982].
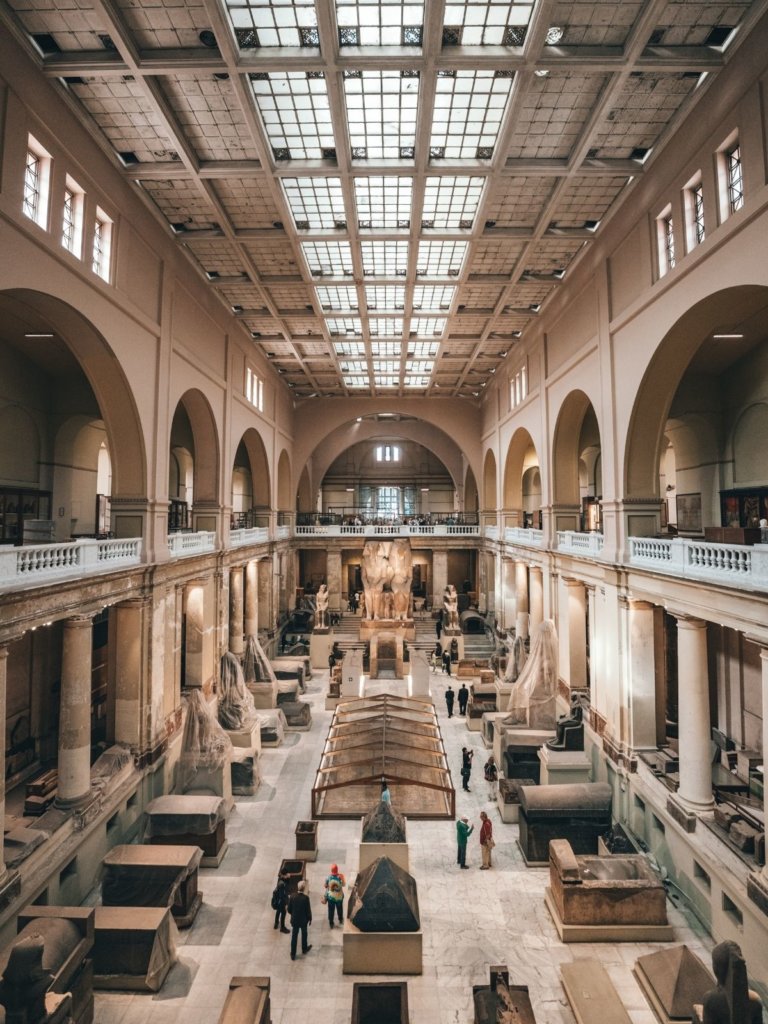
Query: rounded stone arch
[43,312]
[77,449]
[490,493]
[644,444]
[471,497]
[521,458]
[304,502]
[284,482]
[575,449]
[251,453]
[205,443]
[748,445]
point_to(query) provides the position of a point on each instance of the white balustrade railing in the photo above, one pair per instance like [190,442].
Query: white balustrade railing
[42,562]
[491,532]
[392,530]
[248,535]
[579,543]
[182,544]
[735,565]
[524,535]
[282,532]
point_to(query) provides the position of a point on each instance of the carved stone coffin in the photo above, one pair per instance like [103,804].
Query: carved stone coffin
[247,1002]
[579,812]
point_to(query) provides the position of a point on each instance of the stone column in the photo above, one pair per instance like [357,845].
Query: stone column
[642,676]
[439,577]
[236,611]
[265,593]
[536,593]
[251,598]
[128,668]
[75,713]
[521,598]
[3,687]
[194,609]
[695,792]
[508,593]
[757,881]
[333,579]
[575,623]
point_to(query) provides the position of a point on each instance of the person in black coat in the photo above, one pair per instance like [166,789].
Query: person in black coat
[280,903]
[463,696]
[449,695]
[301,918]
[439,627]
[447,662]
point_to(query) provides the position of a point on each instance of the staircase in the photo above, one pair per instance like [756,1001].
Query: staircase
[476,647]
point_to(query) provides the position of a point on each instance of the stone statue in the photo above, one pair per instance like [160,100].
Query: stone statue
[25,981]
[450,608]
[321,608]
[516,659]
[532,700]
[570,728]
[731,1002]
[236,708]
[387,563]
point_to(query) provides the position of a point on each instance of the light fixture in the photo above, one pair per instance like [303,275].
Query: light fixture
[40,335]
[554,35]
[721,336]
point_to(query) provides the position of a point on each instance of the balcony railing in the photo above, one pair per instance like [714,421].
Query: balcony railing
[491,532]
[181,545]
[39,563]
[392,530]
[248,535]
[524,535]
[734,565]
[579,543]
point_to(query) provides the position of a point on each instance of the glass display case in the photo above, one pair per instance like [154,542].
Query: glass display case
[18,506]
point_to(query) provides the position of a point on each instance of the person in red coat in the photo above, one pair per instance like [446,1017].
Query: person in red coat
[486,840]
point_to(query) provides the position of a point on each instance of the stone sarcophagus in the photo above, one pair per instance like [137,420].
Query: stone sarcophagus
[579,812]
[247,1002]
[613,898]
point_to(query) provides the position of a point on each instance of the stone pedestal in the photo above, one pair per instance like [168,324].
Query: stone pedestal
[306,840]
[405,628]
[448,636]
[248,736]
[133,948]
[508,799]
[213,782]
[418,669]
[264,694]
[320,644]
[561,766]
[380,952]
[516,735]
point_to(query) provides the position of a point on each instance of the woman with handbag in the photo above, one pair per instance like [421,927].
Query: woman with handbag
[486,840]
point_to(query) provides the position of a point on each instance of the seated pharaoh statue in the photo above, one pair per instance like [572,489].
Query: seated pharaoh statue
[731,1002]
[570,728]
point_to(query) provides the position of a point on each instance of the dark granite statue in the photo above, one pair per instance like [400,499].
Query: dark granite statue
[383,825]
[25,982]
[384,899]
[570,728]
[731,1002]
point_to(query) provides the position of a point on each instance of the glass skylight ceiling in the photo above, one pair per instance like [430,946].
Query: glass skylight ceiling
[385,298]
[369,23]
[421,349]
[340,298]
[350,326]
[386,348]
[469,106]
[433,296]
[390,327]
[479,24]
[328,259]
[451,202]
[383,202]
[349,348]
[315,202]
[384,259]
[294,108]
[381,113]
[275,24]
[440,259]
[423,326]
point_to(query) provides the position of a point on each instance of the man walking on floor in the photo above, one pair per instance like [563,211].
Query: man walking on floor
[449,695]
[463,696]
[301,918]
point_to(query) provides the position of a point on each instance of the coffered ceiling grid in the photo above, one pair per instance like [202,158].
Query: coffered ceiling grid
[383,193]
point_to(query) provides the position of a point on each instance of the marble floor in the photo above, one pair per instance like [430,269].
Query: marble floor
[470,919]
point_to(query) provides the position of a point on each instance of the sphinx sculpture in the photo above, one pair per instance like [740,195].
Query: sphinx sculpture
[386,573]
[532,700]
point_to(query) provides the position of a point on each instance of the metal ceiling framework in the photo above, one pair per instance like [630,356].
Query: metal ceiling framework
[443,188]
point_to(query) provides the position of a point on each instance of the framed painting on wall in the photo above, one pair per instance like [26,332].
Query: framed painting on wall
[689,513]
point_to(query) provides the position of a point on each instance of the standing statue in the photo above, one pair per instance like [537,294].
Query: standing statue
[451,609]
[387,562]
[321,607]
[516,659]
[731,1002]
[532,700]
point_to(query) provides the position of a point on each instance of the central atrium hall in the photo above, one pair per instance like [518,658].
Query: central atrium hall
[354,353]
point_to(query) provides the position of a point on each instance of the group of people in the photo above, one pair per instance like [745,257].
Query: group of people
[297,905]
[464,830]
[463,697]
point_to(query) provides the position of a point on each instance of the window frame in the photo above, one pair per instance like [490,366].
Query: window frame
[254,388]
[695,214]
[38,213]
[665,238]
[103,227]
[72,226]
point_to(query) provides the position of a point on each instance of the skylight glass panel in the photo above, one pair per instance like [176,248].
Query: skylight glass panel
[337,297]
[328,259]
[349,348]
[386,366]
[381,113]
[440,259]
[416,382]
[383,201]
[469,106]
[349,326]
[354,366]
[315,202]
[356,381]
[294,108]
[487,24]
[419,366]
[386,348]
[382,381]
[389,327]
[424,326]
[275,24]
[433,296]
[385,298]
[422,349]
[366,23]
[451,202]
[385,259]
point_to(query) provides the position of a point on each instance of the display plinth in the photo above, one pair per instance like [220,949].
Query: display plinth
[405,627]
[380,952]
[248,736]
[508,799]
[516,736]
[320,645]
[397,852]
[606,932]
[490,723]
[559,767]
[213,782]
[264,694]
[306,840]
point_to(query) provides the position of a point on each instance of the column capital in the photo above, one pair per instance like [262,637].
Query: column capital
[687,621]
[637,604]
[759,641]
[79,621]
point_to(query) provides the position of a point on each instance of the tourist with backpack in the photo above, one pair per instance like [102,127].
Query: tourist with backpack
[280,903]
[334,894]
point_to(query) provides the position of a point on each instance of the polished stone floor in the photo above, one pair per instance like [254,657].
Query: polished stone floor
[470,919]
